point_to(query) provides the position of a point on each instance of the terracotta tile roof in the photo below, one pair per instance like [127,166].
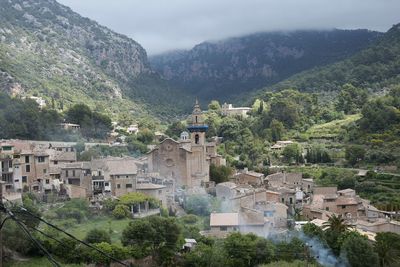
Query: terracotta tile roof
[224,219]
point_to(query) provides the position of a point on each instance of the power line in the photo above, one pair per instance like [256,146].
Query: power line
[73,237]
[37,243]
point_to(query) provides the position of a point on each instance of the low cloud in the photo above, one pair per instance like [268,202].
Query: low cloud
[160,25]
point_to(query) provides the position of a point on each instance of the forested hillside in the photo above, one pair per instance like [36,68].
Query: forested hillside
[50,51]
[235,67]
[376,68]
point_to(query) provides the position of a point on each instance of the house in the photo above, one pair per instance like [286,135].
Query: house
[283,179]
[115,176]
[327,201]
[40,101]
[77,178]
[229,110]
[223,223]
[280,145]
[70,126]
[132,129]
[157,191]
[249,177]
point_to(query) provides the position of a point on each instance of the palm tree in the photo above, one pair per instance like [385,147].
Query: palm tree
[335,227]
[336,224]
[387,246]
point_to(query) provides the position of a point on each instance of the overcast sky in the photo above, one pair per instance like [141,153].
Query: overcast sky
[162,25]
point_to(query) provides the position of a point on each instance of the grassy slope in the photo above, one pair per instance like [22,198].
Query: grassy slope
[104,223]
[330,129]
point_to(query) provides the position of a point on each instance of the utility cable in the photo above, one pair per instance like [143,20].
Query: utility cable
[73,237]
[37,243]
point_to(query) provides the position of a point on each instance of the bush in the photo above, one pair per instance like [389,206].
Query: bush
[120,212]
[189,219]
[97,236]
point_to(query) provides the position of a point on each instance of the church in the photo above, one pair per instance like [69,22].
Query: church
[188,160]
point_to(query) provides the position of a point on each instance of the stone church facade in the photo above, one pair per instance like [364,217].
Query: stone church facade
[186,161]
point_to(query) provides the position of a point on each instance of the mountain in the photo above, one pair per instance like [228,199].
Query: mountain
[237,66]
[376,68]
[48,50]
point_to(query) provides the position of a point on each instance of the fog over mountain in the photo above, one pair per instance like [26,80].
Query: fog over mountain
[160,26]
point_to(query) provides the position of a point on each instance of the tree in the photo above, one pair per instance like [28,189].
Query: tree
[337,224]
[387,246]
[312,230]
[358,252]
[318,154]
[157,234]
[114,250]
[97,236]
[220,174]
[286,111]
[198,204]
[354,154]
[120,211]
[248,250]
[351,99]
[145,136]
[334,228]
[277,130]
[212,255]
[175,129]
[214,105]
[292,153]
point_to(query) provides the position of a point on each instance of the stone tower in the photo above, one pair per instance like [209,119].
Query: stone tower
[197,128]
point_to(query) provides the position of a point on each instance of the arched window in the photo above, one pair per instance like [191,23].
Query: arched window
[196,118]
[196,139]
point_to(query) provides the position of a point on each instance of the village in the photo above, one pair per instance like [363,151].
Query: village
[172,171]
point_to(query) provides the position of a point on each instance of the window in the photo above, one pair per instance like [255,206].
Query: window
[343,206]
[55,162]
[10,164]
[291,200]
[47,181]
[196,139]
[41,159]
[223,228]
[66,173]
[28,168]
[118,186]
[26,159]
[128,185]
[24,179]
[73,173]
[327,208]
[283,200]
[44,171]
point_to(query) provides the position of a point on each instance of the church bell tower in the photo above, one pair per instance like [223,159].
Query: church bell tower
[197,127]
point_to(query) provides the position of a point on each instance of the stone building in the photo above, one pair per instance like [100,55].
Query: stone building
[188,160]
[229,110]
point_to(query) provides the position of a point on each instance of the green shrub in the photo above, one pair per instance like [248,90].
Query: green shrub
[120,212]
[97,236]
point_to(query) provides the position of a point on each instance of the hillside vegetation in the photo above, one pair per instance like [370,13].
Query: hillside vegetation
[376,68]
[48,50]
[231,69]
